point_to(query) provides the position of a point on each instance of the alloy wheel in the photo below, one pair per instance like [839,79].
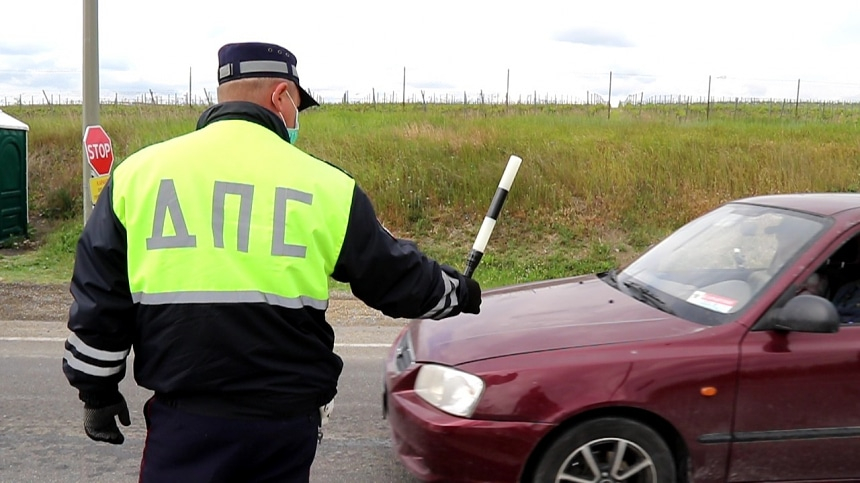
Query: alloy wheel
[608,460]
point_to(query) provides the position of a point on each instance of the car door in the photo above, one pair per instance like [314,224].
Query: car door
[798,408]
[797,414]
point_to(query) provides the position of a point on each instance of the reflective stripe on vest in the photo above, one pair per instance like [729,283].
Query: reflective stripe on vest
[210,219]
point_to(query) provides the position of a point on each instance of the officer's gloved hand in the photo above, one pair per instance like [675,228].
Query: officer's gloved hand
[99,422]
[473,300]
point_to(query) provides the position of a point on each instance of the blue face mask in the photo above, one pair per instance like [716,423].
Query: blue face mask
[292,132]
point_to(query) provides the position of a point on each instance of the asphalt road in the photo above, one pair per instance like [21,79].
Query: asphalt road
[42,439]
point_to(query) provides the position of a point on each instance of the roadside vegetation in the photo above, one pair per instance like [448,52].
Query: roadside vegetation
[592,192]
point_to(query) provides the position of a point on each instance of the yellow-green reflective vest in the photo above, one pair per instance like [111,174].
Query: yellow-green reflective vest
[231,213]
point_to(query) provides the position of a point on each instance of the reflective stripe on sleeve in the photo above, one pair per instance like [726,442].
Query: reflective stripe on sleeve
[447,302]
[90,369]
[94,353]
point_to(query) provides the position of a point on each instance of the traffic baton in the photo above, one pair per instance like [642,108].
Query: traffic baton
[489,223]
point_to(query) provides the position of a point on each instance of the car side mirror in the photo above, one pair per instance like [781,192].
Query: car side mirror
[806,313]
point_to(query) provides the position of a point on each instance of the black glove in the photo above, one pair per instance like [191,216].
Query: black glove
[99,422]
[473,298]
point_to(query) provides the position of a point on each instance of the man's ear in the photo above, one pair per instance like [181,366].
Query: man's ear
[278,94]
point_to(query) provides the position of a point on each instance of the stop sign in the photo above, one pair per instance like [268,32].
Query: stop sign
[99,150]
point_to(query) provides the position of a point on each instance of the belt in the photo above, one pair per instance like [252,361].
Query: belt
[238,408]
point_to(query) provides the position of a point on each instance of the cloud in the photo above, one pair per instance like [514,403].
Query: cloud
[52,82]
[27,66]
[593,37]
[134,87]
[23,49]
[564,48]
[55,80]
[431,85]
[115,64]
[756,89]
[846,33]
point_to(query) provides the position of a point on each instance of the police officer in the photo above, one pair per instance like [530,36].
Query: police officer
[210,255]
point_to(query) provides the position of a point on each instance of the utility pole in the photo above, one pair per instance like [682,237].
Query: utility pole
[708,109]
[609,102]
[508,88]
[91,91]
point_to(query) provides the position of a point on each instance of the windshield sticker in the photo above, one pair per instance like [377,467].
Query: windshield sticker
[713,302]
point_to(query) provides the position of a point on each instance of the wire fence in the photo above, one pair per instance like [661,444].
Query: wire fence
[611,90]
[466,98]
[126,98]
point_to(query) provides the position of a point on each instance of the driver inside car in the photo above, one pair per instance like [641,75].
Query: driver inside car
[787,245]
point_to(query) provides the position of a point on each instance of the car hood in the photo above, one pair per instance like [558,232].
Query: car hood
[543,316]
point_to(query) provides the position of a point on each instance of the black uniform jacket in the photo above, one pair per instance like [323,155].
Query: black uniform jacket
[240,359]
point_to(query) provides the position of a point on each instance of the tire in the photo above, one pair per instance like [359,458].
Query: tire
[645,457]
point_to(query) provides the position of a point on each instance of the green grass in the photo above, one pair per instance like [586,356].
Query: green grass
[592,192]
[51,263]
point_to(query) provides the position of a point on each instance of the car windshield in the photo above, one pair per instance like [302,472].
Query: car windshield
[711,268]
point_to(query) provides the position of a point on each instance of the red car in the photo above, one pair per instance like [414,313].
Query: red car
[727,352]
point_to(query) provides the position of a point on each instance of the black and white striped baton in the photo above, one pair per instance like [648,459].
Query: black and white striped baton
[492,215]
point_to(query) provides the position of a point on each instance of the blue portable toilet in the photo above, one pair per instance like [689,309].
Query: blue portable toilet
[13,177]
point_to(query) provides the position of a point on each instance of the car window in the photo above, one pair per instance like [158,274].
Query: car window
[756,243]
[838,280]
[710,269]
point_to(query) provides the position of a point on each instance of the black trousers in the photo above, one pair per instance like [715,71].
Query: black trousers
[187,447]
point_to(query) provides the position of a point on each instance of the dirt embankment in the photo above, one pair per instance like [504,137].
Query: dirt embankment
[50,302]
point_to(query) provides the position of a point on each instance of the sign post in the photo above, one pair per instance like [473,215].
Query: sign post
[90,89]
[98,150]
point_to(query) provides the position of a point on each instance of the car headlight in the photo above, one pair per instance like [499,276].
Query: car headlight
[451,390]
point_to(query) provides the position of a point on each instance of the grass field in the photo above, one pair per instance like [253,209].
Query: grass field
[591,194]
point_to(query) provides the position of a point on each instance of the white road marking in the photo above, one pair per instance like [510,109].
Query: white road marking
[59,339]
[31,339]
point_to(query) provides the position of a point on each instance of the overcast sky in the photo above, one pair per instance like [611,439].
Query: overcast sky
[752,48]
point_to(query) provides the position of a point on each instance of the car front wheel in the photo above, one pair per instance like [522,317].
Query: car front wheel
[607,450]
